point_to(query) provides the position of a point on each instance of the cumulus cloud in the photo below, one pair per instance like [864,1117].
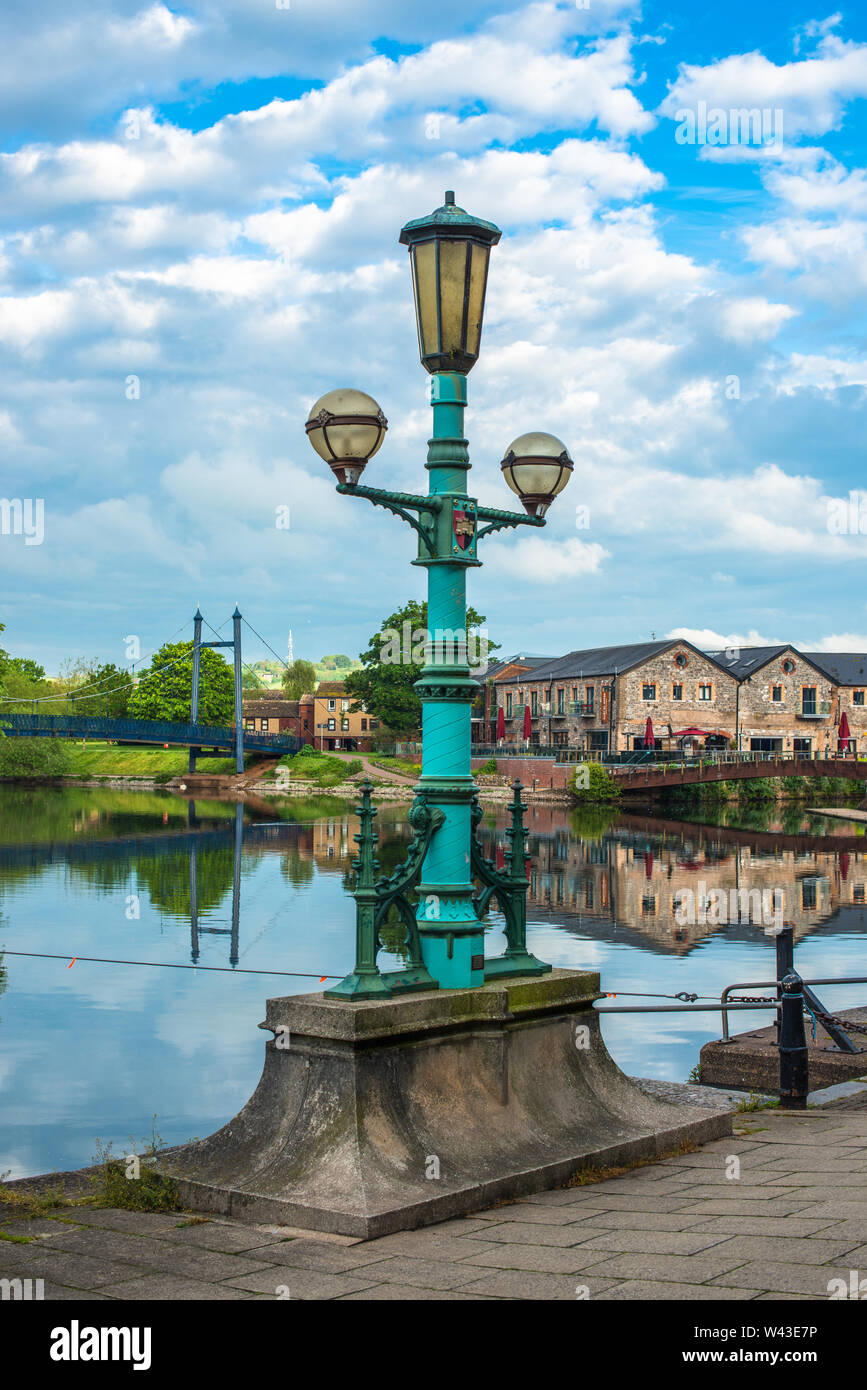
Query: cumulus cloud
[238,266]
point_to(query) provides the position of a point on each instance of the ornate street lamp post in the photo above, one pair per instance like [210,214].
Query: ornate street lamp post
[449,253]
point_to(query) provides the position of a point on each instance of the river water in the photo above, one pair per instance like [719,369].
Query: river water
[113,1052]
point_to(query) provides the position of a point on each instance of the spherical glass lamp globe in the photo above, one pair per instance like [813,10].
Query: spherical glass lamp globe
[536,467]
[346,428]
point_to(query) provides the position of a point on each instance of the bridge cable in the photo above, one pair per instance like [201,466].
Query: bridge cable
[266,644]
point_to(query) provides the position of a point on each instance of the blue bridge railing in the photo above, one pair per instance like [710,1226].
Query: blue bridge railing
[142,731]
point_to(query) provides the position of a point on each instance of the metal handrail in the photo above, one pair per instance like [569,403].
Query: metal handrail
[766,984]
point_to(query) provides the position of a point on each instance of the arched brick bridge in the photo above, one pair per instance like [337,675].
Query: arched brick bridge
[651,776]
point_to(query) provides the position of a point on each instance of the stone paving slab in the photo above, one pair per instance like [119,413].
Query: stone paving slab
[634,1289]
[674,1230]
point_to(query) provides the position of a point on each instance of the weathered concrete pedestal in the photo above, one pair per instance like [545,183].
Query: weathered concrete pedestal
[380,1116]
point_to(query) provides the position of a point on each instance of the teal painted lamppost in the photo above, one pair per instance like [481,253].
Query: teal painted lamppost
[449,254]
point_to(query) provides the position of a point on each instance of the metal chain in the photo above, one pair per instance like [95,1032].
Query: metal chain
[845,1023]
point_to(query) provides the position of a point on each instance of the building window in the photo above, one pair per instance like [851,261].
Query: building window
[508,704]
[808,699]
[788,666]
[801,745]
[374,723]
[344,704]
[332,724]
[677,691]
[534,703]
[264,725]
[364,726]
[589,697]
[575,693]
[344,724]
[857,697]
[561,701]
[648,692]
[777,694]
[599,741]
[705,691]
[250,725]
[680,660]
[332,704]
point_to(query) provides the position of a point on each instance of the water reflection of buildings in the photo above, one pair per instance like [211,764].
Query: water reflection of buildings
[633,872]
[625,878]
[616,878]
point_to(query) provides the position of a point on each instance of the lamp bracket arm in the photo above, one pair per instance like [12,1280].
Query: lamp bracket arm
[403,504]
[500,521]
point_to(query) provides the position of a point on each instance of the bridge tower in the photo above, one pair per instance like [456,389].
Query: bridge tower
[235,644]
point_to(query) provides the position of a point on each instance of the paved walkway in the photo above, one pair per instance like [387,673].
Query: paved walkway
[774,1212]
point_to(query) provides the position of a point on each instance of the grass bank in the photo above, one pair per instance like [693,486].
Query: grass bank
[42,758]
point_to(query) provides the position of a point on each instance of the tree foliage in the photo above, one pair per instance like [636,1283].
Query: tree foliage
[299,679]
[107,690]
[385,687]
[164,691]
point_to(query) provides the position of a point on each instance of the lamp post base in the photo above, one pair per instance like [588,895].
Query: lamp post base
[380,1116]
[455,959]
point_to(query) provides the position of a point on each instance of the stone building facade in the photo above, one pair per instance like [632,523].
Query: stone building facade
[599,700]
[849,672]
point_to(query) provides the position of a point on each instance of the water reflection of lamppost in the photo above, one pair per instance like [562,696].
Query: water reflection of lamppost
[449,252]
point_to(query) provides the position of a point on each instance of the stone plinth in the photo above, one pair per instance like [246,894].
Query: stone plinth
[382,1116]
[751,1061]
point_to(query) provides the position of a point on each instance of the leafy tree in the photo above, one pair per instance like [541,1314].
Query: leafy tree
[21,681]
[299,679]
[33,757]
[108,691]
[164,691]
[385,686]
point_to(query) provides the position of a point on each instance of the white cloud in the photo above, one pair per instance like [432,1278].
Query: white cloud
[538,560]
[812,93]
[707,640]
[754,319]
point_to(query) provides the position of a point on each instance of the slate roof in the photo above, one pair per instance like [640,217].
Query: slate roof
[495,667]
[599,661]
[846,668]
[752,659]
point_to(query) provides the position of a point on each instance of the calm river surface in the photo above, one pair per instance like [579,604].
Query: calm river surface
[97,1050]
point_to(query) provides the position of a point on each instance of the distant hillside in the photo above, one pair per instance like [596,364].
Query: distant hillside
[270,673]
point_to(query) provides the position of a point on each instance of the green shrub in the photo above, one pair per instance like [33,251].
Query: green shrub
[33,757]
[489,768]
[590,782]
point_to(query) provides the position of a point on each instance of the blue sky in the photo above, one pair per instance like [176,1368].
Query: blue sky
[207,199]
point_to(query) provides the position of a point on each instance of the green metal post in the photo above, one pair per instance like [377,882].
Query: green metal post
[451,935]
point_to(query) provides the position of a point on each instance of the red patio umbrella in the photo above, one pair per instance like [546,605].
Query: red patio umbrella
[844,865]
[844,736]
[528,727]
[501,723]
[649,741]
[501,857]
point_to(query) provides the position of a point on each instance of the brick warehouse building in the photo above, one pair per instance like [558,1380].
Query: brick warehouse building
[598,700]
[760,699]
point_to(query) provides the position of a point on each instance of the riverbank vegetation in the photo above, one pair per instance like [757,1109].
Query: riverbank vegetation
[755,791]
[311,765]
[43,759]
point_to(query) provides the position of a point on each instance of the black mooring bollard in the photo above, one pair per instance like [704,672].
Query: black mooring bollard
[794,1067]
[785,964]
